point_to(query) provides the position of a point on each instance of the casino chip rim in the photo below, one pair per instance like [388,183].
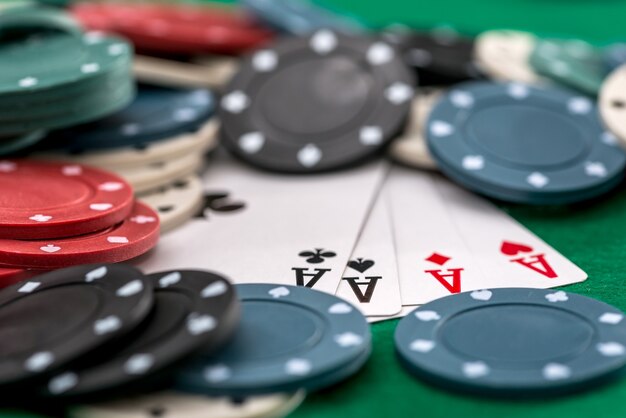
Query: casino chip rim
[319,366]
[410,148]
[214,313]
[611,105]
[129,299]
[598,167]
[250,137]
[134,236]
[418,341]
[176,203]
[275,405]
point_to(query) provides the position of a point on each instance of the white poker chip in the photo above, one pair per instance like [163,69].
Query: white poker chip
[152,176]
[410,148]
[200,142]
[176,203]
[180,405]
[505,56]
[612,103]
[211,72]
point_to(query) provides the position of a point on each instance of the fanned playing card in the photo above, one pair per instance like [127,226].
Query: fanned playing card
[509,255]
[260,227]
[433,260]
[370,281]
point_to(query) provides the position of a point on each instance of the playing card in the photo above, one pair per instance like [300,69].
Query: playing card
[508,254]
[370,281]
[433,260]
[273,228]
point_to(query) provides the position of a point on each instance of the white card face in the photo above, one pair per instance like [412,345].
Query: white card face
[433,260]
[271,228]
[370,280]
[508,254]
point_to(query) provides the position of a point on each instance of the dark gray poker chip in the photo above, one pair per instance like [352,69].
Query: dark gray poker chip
[514,342]
[524,144]
[316,103]
[56,318]
[439,57]
[193,310]
[290,338]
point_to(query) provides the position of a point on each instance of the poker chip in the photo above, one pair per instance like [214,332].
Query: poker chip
[200,142]
[156,113]
[614,56]
[155,175]
[611,103]
[193,310]
[50,200]
[524,144]
[69,58]
[512,341]
[410,148]
[175,28]
[86,76]
[573,63]
[440,57]
[176,203]
[299,17]
[316,340]
[99,305]
[176,404]
[213,72]
[504,55]
[315,103]
[132,237]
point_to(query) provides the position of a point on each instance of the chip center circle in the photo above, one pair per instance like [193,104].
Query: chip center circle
[517,336]
[314,97]
[32,322]
[272,331]
[39,193]
[521,135]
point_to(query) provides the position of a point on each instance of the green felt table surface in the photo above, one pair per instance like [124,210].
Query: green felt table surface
[593,235]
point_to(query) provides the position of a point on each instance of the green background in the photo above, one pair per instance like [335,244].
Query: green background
[593,235]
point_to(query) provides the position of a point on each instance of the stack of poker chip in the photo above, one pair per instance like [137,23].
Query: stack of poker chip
[188,332]
[86,76]
[55,215]
[157,143]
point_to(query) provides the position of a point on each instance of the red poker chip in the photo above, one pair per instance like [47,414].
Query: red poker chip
[135,236]
[41,200]
[187,29]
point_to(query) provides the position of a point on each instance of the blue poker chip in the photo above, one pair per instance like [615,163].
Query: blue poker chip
[524,144]
[299,17]
[157,113]
[614,56]
[514,342]
[289,338]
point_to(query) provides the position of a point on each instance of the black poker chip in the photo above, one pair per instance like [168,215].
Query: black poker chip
[193,310]
[56,318]
[439,57]
[316,103]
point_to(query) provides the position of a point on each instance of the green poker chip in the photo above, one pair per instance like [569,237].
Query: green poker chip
[69,59]
[75,115]
[572,63]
